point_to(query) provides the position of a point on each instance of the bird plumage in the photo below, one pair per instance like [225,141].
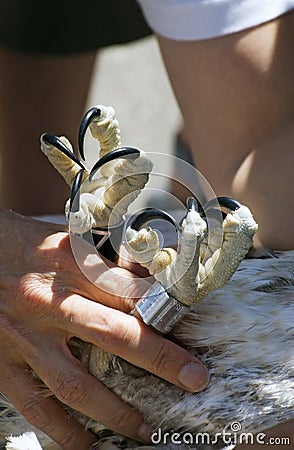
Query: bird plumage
[244,333]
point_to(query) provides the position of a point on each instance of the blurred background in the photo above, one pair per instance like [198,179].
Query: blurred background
[132,79]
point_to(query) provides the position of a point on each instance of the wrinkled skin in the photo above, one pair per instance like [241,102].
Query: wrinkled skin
[44,301]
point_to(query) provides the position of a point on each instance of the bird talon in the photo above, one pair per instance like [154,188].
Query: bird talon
[206,258]
[124,171]
[54,141]
[123,152]
[74,205]
[88,118]
[226,202]
[149,214]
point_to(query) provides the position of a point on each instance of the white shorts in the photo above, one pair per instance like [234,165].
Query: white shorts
[202,19]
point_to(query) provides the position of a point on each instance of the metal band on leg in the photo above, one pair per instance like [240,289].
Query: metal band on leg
[160,311]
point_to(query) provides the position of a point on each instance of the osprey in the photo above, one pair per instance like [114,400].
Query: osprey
[242,329]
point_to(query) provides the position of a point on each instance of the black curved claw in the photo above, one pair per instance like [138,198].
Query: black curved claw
[50,139]
[123,152]
[193,204]
[74,205]
[225,202]
[149,214]
[207,211]
[86,120]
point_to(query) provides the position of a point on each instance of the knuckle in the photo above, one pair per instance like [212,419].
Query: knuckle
[33,290]
[71,390]
[31,408]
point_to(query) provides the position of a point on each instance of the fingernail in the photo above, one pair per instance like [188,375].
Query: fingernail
[145,432]
[194,377]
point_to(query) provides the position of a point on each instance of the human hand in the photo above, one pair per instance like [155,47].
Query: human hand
[45,300]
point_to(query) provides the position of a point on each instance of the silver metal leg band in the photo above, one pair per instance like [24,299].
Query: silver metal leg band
[157,309]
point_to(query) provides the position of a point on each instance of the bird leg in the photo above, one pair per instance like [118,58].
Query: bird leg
[123,173]
[200,265]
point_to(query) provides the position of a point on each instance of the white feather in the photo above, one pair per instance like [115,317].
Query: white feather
[27,441]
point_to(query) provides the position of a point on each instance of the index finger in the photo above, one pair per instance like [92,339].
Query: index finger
[129,338]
